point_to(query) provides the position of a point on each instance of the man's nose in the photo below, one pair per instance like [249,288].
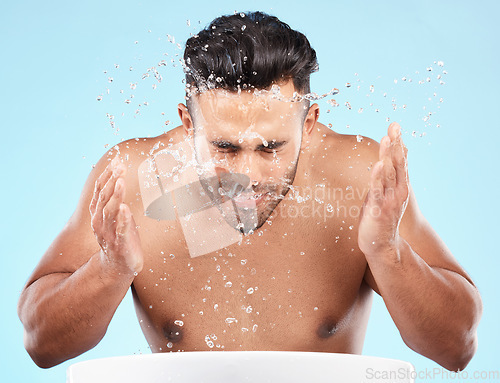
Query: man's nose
[251,166]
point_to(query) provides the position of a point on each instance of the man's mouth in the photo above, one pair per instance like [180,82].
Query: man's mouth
[249,200]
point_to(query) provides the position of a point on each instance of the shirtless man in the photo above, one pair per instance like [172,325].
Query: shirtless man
[286,260]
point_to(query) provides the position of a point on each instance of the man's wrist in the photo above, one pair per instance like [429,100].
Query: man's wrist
[388,250]
[113,270]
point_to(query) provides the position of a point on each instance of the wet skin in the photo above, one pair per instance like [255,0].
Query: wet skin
[304,266]
[302,280]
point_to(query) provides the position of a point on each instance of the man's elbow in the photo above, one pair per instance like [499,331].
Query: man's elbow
[463,345]
[39,354]
[459,355]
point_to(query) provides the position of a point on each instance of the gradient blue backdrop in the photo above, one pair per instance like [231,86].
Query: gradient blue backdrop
[54,55]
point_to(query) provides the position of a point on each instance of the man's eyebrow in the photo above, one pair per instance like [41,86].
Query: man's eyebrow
[273,144]
[223,144]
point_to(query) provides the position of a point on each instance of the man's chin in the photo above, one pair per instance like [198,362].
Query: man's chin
[250,221]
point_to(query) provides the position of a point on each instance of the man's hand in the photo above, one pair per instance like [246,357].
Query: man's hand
[113,223]
[387,198]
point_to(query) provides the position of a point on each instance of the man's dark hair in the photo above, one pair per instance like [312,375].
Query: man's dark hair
[248,50]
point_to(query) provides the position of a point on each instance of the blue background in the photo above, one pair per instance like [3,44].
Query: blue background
[54,55]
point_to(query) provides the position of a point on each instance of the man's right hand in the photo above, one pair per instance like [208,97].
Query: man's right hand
[113,223]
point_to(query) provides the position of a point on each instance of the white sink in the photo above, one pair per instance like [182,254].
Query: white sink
[242,366]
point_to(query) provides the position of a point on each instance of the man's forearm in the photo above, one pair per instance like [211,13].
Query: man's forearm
[435,310]
[67,314]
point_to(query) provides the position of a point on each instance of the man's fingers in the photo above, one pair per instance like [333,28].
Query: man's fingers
[123,221]
[394,131]
[399,156]
[389,173]
[399,159]
[382,151]
[376,185]
[101,181]
[111,210]
[108,189]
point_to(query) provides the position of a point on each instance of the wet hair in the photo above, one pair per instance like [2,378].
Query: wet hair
[248,50]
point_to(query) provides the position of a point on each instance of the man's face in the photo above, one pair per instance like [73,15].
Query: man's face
[252,136]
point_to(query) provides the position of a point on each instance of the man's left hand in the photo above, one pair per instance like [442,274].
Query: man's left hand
[387,198]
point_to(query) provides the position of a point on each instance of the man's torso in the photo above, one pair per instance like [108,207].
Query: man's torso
[296,283]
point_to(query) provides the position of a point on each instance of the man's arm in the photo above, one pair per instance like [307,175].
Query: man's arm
[431,299]
[73,293]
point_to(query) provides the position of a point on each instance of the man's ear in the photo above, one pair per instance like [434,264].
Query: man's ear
[187,121]
[309,124]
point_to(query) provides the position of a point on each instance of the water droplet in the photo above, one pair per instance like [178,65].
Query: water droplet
[332,102]
[228,284]
[315,309]
[179,323]
[110,79]
[359,138]
[208,341]
[250,290]
[243,27]
[348,84]
[99,98]
[170,344]
[231,320]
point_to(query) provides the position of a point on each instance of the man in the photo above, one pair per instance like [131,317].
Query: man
[252,226]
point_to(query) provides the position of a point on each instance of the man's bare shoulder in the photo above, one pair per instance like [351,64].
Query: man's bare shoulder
[135,150]
[347,157]
[132,153]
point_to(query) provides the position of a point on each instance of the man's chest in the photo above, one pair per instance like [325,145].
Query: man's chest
[290,276]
